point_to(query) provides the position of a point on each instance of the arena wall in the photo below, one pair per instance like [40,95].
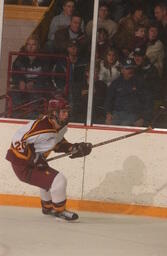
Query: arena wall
[127,172]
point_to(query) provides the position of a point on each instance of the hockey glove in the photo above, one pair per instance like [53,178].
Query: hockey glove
[81,149]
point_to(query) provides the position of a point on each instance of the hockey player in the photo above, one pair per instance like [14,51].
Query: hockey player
[31,145]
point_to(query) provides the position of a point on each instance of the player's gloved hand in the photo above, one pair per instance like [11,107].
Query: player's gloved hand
[41,162]
[80,149]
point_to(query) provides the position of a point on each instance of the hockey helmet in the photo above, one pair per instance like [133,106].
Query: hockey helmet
[55,106]
[58,104]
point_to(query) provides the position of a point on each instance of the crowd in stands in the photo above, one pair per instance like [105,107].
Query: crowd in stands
[130,64]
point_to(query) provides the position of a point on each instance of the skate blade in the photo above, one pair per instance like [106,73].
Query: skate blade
[67,221]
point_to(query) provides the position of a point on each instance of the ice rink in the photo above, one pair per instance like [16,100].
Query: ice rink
[26,232]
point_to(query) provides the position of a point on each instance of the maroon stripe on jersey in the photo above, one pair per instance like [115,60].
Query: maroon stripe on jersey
[40,126]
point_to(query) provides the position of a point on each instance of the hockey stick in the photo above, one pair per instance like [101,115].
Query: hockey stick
[161,110]
[104,142]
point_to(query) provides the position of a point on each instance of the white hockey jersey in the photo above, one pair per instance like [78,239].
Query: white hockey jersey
[42,134]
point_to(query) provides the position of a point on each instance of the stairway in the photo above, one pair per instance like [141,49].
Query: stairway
[15,33]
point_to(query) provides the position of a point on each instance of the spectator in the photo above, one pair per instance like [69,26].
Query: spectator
[77,69]
[160,12]
[127,101]
[59,22]
[149,8]
[31,65]
[140,37]
[102,43]
[155,49]
[73,32]
[59,73]
[62,20]
[99,92]
[103,22]
[118,9]
[124,53]
[109,67]
[127,25]
[148,72]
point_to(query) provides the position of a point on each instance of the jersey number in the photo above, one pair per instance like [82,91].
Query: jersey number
[20,145]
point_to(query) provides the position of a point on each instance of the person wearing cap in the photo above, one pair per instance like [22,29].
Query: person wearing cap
[128,103]
[29,149]
[148,72]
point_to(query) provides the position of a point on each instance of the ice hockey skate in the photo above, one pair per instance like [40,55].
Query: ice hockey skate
[62,216]
[66,216]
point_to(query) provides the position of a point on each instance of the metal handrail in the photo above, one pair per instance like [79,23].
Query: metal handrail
[66,75]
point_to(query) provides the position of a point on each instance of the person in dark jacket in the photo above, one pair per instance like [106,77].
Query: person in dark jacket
[72,32]
[128,103]
[76,67]
[148,72]
[27,72]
